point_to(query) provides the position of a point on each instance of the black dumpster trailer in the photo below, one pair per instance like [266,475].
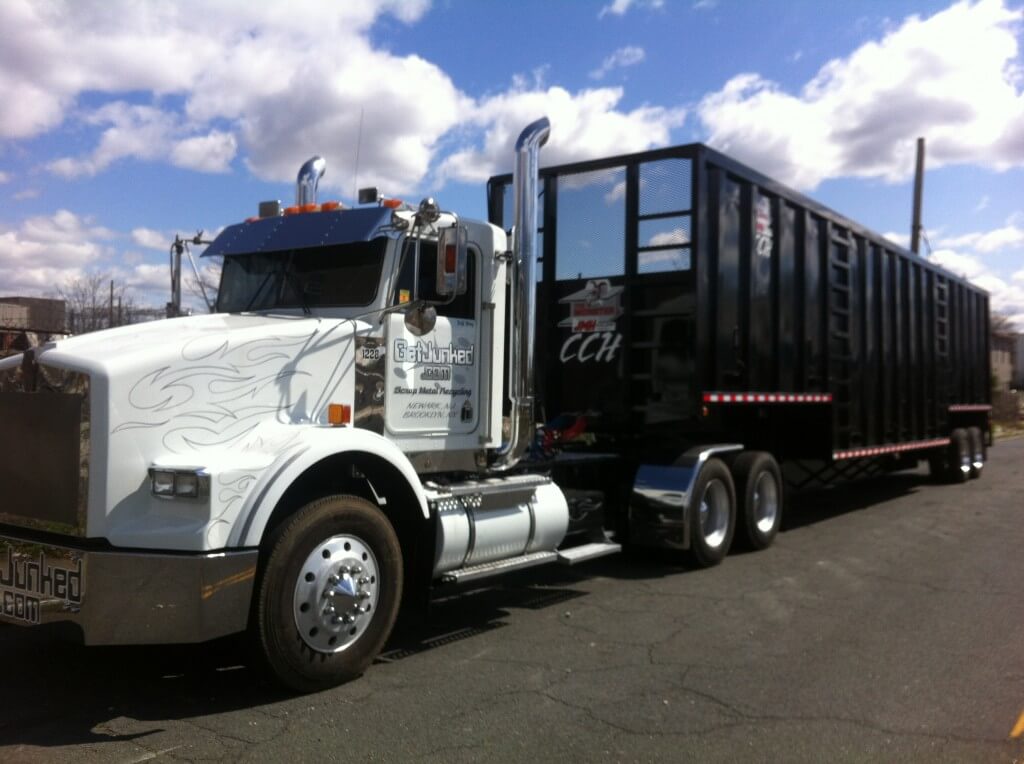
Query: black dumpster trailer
[685,298]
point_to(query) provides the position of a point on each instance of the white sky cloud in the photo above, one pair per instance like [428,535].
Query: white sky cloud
[45,250]
[621,7]
[631,55]
[5,177]
[586,124]
[1010,236]
[963,256]
[150,239]
[952,78]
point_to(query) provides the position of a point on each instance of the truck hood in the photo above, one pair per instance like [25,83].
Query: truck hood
[235,339]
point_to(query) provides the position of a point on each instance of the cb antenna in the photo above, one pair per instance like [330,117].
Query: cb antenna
[359,143]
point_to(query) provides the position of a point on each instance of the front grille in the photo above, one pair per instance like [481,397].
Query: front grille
[44,448]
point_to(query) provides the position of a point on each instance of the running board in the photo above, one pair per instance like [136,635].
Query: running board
[488,569]
[586,552]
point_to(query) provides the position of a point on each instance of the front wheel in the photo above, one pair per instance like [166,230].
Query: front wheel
[712,514]
[329,593]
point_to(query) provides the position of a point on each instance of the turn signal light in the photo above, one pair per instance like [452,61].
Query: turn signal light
[339,414]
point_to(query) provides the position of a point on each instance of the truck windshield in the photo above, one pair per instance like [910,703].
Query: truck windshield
[345,275]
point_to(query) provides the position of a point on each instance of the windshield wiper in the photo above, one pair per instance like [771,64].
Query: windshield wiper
[259,291]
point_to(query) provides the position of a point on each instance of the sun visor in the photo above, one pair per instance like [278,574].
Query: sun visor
[311,229]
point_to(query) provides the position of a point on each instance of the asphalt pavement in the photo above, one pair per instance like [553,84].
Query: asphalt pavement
[885,624]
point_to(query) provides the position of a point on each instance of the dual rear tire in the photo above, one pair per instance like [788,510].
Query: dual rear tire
[744,501]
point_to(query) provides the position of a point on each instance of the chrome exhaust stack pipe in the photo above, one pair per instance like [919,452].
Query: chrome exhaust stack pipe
[524,294]
[308,180]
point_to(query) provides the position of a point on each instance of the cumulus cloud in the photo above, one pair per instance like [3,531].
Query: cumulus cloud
[964,256]
[274,81]
[951,77]
[45,250]
[586,125]
[1010,236]
[631,55]
[621,7]
[150,239]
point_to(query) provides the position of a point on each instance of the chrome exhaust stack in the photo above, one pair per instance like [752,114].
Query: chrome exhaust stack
[524,294]
[308,180]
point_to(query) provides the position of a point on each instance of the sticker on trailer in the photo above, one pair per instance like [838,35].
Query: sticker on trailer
[593,322]
[764,236]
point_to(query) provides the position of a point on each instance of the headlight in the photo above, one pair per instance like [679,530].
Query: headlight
[188,483]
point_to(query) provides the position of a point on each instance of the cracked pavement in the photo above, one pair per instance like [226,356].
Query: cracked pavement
[886,623]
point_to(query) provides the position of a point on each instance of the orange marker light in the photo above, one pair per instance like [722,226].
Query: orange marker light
[292,210]
[330,206]
[339,414]
[392,204]
[310,208]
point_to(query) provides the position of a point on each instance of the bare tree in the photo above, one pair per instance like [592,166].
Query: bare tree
[1001,324]
[95,301]
[206,285]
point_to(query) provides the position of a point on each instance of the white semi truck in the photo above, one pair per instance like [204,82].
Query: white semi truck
[356,424]
[332,436]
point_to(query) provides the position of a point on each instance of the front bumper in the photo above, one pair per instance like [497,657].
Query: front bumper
[125,598]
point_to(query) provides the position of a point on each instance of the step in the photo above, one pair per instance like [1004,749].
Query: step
[586,552]
[488,569]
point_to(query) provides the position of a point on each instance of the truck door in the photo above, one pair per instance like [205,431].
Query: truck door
[433,377]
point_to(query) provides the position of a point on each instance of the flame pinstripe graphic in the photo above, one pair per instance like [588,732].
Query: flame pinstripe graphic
[220,392]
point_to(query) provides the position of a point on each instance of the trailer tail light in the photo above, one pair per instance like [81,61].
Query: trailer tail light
[339,414]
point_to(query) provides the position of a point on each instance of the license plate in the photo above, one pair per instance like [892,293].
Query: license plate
[35,578]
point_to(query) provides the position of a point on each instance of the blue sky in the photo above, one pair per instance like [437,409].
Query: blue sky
[124,123]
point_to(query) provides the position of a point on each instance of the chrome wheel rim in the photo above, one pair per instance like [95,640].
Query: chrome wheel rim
[766,502]
[714,513]
[336,593]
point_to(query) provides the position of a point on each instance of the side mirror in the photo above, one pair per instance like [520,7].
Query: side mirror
[421,319]
[451,261]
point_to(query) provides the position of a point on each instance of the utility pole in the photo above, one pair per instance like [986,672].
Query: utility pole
[915,225]
[111,311]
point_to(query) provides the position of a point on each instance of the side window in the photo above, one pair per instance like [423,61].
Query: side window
[463,306]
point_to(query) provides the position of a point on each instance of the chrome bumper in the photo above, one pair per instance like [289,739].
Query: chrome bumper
[126,598]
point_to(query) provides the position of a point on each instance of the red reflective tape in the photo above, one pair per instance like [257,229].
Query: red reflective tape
[855,453]
[766,397]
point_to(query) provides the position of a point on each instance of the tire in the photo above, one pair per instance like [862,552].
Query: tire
[329,593]
[958,461]
[977,451]
[759,494]
[712,514]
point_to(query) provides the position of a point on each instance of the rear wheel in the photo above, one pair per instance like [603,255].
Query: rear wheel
[759,495]
[329,593]
[976,448]
[712,514]
[959,456]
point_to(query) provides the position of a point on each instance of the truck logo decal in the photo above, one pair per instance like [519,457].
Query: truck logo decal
[26,582]
[764,236]
[429,352]
[593,321]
